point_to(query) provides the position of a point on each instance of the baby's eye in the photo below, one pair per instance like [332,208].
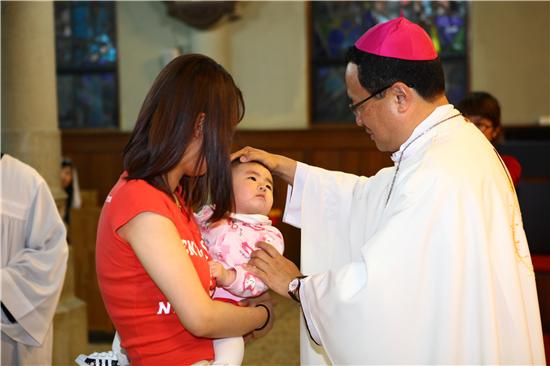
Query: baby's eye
[268,187]
[252,178]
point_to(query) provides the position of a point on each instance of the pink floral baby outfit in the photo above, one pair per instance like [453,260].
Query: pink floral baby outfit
[230,241]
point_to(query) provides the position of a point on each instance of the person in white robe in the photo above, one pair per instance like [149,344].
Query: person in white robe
[34,261]
[427,261]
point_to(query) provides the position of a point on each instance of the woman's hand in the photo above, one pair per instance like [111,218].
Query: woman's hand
[279,165]
[267,301]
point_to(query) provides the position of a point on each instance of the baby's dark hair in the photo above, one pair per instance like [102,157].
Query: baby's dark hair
[237,161]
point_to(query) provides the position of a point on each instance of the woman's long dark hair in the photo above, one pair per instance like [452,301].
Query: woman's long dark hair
[188,86]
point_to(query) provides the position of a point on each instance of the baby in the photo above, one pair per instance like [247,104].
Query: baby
[230,242]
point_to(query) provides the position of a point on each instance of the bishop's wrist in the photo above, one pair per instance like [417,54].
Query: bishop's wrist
[294,288]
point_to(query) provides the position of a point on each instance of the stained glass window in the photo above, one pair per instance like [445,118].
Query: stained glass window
[337,24]
[86,56]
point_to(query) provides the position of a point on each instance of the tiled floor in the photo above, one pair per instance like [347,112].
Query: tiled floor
[280,347]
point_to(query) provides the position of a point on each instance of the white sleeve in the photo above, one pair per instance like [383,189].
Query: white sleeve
[313,333]
[32,280]
[293,206]
[321,204]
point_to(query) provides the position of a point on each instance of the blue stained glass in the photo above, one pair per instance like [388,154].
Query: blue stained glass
[86,60]
[81,20]
[455,80]
[64,97]
[335,40]
[451,32]
[337,24]
[329,93]
[87,100]
[89,27]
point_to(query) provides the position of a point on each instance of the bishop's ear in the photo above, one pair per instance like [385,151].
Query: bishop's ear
[402,94]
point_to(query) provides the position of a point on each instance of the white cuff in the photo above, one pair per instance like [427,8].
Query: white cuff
[307,315]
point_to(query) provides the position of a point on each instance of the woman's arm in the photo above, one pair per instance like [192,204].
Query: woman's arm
[157,244]
[279,165]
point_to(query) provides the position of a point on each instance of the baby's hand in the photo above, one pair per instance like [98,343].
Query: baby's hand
[216,270]
[224,277]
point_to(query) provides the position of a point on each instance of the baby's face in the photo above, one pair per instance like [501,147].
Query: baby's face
[253,188]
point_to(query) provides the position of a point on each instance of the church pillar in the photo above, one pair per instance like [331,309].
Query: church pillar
[30,133]
[29,98]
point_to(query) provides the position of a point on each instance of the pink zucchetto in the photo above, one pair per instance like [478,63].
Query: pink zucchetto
[398,38]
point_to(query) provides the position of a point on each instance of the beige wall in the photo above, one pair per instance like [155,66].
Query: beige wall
[510,57]
[144,31]
[267,55]
[269,62]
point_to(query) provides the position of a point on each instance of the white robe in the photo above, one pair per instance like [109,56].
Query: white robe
[34,260]
[440,275]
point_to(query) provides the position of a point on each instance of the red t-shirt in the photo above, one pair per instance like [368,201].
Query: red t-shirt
[149,329]
[513,166]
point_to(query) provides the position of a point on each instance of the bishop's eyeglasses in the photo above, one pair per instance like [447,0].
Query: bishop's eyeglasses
[354,107]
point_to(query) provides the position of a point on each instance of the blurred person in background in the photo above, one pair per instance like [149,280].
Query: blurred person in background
[483,110]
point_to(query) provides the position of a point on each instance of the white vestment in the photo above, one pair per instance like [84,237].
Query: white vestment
[440,274]
[34,260]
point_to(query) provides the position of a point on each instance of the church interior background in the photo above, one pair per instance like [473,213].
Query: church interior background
[74,75]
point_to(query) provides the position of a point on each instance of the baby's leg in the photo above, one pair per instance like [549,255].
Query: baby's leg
[119,352]
[228,351]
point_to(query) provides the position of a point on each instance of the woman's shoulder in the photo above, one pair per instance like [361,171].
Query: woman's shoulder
[136,194]
[129,198]
[137,188]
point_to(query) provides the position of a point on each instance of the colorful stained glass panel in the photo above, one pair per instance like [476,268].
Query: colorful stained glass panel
[85,33]
[86,64]
[337,24]
[87,100]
